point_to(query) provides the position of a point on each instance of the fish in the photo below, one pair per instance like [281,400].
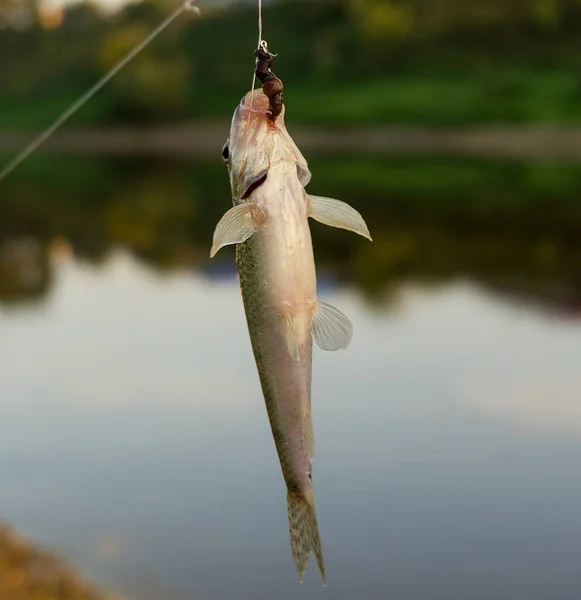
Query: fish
[268,223]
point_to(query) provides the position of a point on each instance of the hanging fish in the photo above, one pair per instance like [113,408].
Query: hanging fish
[275,261]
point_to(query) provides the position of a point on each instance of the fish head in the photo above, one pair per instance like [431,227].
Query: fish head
[255,143]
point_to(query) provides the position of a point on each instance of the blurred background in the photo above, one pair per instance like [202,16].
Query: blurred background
[133,437]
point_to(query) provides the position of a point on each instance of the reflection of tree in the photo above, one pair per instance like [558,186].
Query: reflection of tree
[151,214]
[28,573]
[553,297]
[429,223]
[24,270]
[503,263]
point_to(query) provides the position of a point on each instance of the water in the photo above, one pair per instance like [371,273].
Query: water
[134,439]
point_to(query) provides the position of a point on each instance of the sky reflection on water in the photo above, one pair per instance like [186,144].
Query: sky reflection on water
[135,442]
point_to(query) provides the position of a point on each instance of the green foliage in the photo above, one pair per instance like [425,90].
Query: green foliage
[343,62]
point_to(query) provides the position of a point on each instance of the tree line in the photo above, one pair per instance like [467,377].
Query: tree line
[199,66]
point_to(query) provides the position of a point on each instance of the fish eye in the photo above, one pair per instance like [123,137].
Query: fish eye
[225,152]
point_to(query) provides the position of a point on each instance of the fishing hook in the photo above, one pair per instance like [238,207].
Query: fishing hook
[272,86]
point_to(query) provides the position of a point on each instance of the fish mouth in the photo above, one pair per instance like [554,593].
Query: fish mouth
[254,186]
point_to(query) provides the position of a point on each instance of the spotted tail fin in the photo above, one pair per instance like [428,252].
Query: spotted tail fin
[304,533]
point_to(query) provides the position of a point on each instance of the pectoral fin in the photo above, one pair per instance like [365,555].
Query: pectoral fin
[237,225]
[330,328]
[337,214]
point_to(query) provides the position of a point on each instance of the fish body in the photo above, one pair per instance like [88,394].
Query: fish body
[276,266]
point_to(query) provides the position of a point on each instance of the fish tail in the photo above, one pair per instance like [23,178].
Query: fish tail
[304,533]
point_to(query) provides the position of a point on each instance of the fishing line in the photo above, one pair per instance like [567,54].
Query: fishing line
[258,46]
[43,137]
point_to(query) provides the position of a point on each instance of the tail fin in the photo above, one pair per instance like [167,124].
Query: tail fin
[304,533]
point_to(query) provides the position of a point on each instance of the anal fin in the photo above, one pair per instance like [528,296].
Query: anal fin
[291,339]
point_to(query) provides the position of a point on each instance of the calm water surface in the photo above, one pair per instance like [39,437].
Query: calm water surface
[134,441]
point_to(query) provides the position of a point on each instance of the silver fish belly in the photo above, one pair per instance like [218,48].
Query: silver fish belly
[275,261]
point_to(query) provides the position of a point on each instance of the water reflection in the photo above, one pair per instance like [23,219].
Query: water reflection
[24,269]
[135,441]
[134,438]
[490,222]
